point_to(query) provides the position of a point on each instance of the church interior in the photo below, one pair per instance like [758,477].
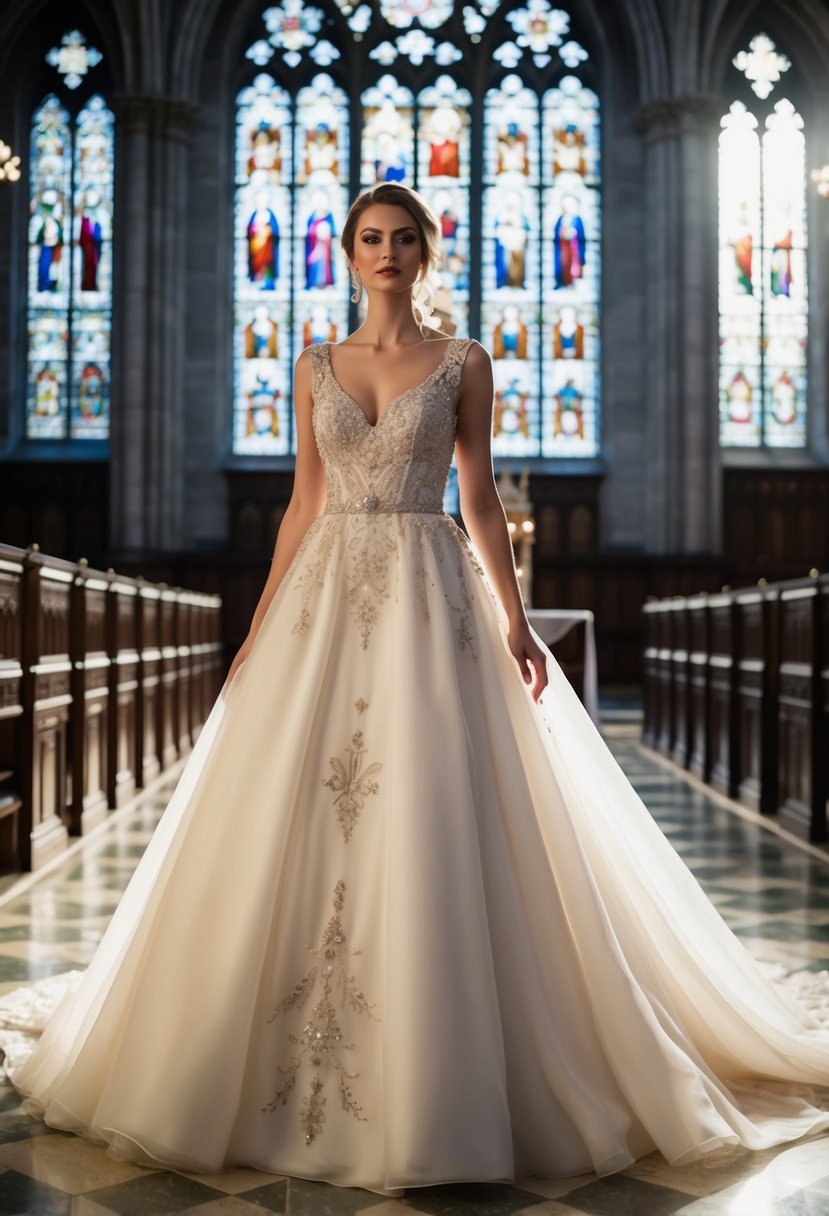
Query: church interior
[633,198]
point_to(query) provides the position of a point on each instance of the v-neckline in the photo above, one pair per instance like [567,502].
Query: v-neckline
[373,426]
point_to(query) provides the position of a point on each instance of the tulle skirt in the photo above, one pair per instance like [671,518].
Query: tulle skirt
[400,925]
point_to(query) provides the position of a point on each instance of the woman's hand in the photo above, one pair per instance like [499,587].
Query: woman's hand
[241,655]
[531,659]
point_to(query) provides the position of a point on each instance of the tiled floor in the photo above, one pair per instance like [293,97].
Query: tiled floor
[774,893]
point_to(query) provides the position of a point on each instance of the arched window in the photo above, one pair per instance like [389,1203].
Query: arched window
[70,254]
[528,287]
[291,183]
[762,268]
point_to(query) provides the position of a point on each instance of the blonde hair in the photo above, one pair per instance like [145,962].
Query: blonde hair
[395,194]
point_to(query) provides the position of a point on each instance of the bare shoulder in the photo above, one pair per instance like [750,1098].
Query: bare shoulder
[478,361]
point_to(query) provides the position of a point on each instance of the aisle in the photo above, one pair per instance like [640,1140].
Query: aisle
[774,893]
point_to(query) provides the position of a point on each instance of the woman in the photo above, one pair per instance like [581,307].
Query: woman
[404,920]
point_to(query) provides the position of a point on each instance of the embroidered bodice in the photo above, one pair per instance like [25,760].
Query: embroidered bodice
[402,463]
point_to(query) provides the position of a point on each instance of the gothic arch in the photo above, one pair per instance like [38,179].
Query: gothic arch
[803,24]
[200,24]
[20,29]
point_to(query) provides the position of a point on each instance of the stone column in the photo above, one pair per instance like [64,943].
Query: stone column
[147,429]
[683,489]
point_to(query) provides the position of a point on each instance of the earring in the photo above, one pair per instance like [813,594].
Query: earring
[357,284]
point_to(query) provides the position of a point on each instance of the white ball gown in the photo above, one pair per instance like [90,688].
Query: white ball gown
[399,924]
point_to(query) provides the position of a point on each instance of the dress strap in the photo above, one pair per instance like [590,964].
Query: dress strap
[316,353]
[454,359]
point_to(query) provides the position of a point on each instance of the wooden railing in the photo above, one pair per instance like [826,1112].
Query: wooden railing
[105,681]
[736,689]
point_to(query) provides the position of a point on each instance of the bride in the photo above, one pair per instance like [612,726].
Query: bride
[404,920]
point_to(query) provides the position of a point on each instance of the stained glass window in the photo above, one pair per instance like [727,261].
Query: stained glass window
[762,266]
[510,265]
[527,237]
[540,314]
[291,198]
[70,259]
[443,181]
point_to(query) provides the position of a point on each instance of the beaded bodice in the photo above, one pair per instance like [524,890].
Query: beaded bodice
[402,463]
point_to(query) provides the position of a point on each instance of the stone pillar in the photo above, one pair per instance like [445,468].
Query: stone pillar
[683,490]
[147,429]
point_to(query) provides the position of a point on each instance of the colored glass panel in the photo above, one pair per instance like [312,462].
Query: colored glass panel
[91,316]
[784,278]
[443,181]
[49,271]
[570,257]
[510,264]
[262,347]
[762,279]
[387,134]
[322,196]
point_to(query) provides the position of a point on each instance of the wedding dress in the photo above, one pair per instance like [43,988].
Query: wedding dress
[400,924]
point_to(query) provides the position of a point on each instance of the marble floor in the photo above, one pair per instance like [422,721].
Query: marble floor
[772,891]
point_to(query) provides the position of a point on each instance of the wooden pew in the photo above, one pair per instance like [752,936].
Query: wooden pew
[755,711]
[650,672]
[680,673]
[11,705]
[699,761]
[148,760]
[47,697]
[90,687]
[184,667]
[665,682]
[122,644]
[168,696]
[801,800]
[198,663]
[722,672]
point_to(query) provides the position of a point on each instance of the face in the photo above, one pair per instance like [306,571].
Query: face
[386,235]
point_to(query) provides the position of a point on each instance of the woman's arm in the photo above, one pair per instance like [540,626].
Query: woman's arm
[306,502]
[483,512]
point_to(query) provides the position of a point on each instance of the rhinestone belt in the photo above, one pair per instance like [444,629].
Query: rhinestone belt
[370,504]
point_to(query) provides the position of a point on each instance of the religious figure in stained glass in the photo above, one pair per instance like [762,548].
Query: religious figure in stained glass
[390,163]
[442,128]
[511,230]
[265,160]
[91,392]
[263,244]
[568,335]
[387,133]
[319,326]
[321,150]
[48,238]
[319,259]
[739,396]
[568,150]
[570,244]
[568,419]
[780,266]
[509,337]
[90,240]
[512,150]
[510,409]
[263,414]
[742,241]
[261,335]
[784,399]
[47,394]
